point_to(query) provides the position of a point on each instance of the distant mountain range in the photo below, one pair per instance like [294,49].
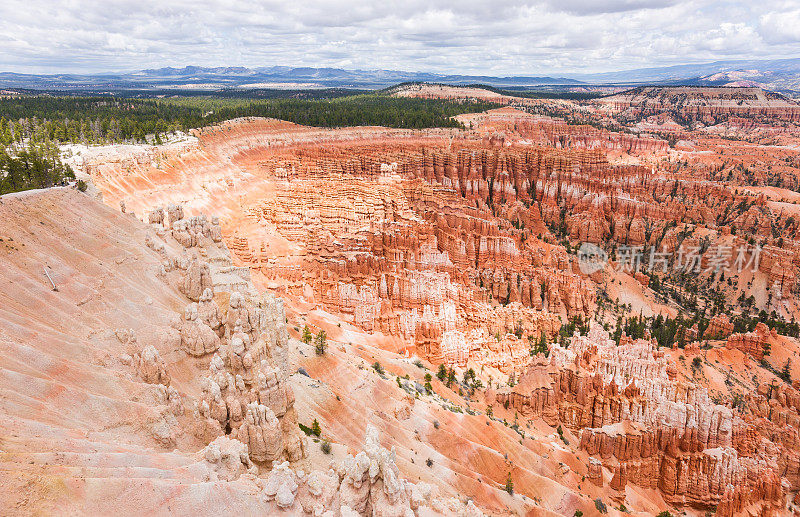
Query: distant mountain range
[782,75]
[200,78]
[775,74]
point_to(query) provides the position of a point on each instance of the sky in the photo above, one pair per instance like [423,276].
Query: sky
[494,37]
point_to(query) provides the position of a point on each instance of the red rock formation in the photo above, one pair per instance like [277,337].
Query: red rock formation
[708,105]
[719,327]
[752,343]
[656,433]
[416,234]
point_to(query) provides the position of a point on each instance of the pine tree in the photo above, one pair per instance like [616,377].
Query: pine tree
[786,373]
[451,377]
[442,373]
[509,484]
[307,336]
[320,342]
[316,430]
[469,375]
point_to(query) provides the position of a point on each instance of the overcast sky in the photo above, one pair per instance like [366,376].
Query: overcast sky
[465,36]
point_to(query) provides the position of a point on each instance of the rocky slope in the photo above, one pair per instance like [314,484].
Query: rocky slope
[154,379]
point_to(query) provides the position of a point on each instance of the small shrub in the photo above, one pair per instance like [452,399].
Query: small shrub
[305,429]
[325,446]
[561,435]
[664,514]
[577,513]
[600,505]
[377,367]
[82,185]
[429,462]
[436,424]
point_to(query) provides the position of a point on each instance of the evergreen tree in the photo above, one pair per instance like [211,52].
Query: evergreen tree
[451,377]
[786,373]
[320,342]
[469,375]
[115,119]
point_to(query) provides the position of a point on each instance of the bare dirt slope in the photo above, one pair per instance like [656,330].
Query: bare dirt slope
[79,432]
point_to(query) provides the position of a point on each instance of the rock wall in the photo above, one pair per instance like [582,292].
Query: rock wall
[755,343]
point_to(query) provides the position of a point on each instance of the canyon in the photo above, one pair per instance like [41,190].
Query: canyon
[376,321]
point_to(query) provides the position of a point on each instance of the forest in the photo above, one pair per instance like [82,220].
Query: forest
[37,165]
[102,119]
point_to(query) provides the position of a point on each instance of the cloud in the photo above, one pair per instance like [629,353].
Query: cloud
[508,37]
[780,27]
[582,7]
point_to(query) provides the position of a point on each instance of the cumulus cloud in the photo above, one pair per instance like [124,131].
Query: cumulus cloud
[508,37]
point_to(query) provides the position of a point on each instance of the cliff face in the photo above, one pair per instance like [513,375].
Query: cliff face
[507,125]
[707,105]
[110,400]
